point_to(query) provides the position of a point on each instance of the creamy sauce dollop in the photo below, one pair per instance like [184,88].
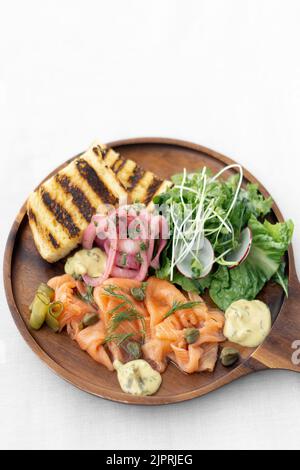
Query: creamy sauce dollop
[138,377]
[247,323]
[91,262]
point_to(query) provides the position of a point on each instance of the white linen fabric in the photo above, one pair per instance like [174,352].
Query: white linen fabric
[224,74]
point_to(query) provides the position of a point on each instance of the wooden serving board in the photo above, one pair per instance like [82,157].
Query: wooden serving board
[24,269]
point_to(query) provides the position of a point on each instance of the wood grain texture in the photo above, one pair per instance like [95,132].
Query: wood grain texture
[24,269]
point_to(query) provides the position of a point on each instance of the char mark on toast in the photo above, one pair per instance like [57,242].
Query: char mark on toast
[79,199]
[53,241]
[118,165]
[61,215]
[135,177]
[152,189]
[31,215]
[98,186]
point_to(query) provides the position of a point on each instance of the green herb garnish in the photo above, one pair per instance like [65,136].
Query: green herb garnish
[201,205]
[88,296]
[138,257]
[115,309]
[123,259]
[180,306]
[118,316]
[118,338]
[111,290]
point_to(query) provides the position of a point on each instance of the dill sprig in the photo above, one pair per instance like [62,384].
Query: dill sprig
[118,316]
[111,290]
[115,309]
[118,338]
[88,296]
[180,306]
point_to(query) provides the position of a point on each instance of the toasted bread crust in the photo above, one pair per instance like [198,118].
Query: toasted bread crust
[141,185]
[62,207]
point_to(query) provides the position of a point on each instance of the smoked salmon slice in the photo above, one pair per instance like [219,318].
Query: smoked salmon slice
[121,304]
[168,333]
[74,308]
[91,340]
[153,322]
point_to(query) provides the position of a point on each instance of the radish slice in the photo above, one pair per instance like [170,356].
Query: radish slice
[239,255]
[205,256]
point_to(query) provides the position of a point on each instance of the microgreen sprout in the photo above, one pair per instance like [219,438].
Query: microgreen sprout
[196,208]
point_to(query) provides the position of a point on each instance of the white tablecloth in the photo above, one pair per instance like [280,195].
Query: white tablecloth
[224,74]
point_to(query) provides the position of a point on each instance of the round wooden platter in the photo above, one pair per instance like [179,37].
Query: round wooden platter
[24,269]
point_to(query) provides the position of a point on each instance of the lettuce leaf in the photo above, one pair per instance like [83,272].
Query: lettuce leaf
[188,285]
[270,242]
[282,279]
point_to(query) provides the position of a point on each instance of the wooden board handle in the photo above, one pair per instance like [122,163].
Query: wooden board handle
[281,350]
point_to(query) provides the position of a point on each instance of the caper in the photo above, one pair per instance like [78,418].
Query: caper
[90,319]
[138,293]
[52,322]
[191,335]
[134,349]
[229,357]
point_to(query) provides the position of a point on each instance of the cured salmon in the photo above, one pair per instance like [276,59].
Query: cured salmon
[91,340]
[168,334]
[152,321]
[121,301]
[65,288]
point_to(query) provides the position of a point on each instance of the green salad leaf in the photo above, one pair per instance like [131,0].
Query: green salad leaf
[219,195]
[281,278]
[219,210]
[270,242]
[188,285]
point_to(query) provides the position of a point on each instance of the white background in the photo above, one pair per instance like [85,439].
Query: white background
[224,74]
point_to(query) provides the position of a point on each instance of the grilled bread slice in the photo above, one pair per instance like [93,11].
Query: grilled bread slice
[141,185]
[62,207]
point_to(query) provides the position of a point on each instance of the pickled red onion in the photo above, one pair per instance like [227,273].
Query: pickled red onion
[89,236]
[148,228]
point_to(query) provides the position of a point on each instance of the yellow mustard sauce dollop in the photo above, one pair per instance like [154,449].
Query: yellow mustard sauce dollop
[138,377]
[91,262]
[247,323]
